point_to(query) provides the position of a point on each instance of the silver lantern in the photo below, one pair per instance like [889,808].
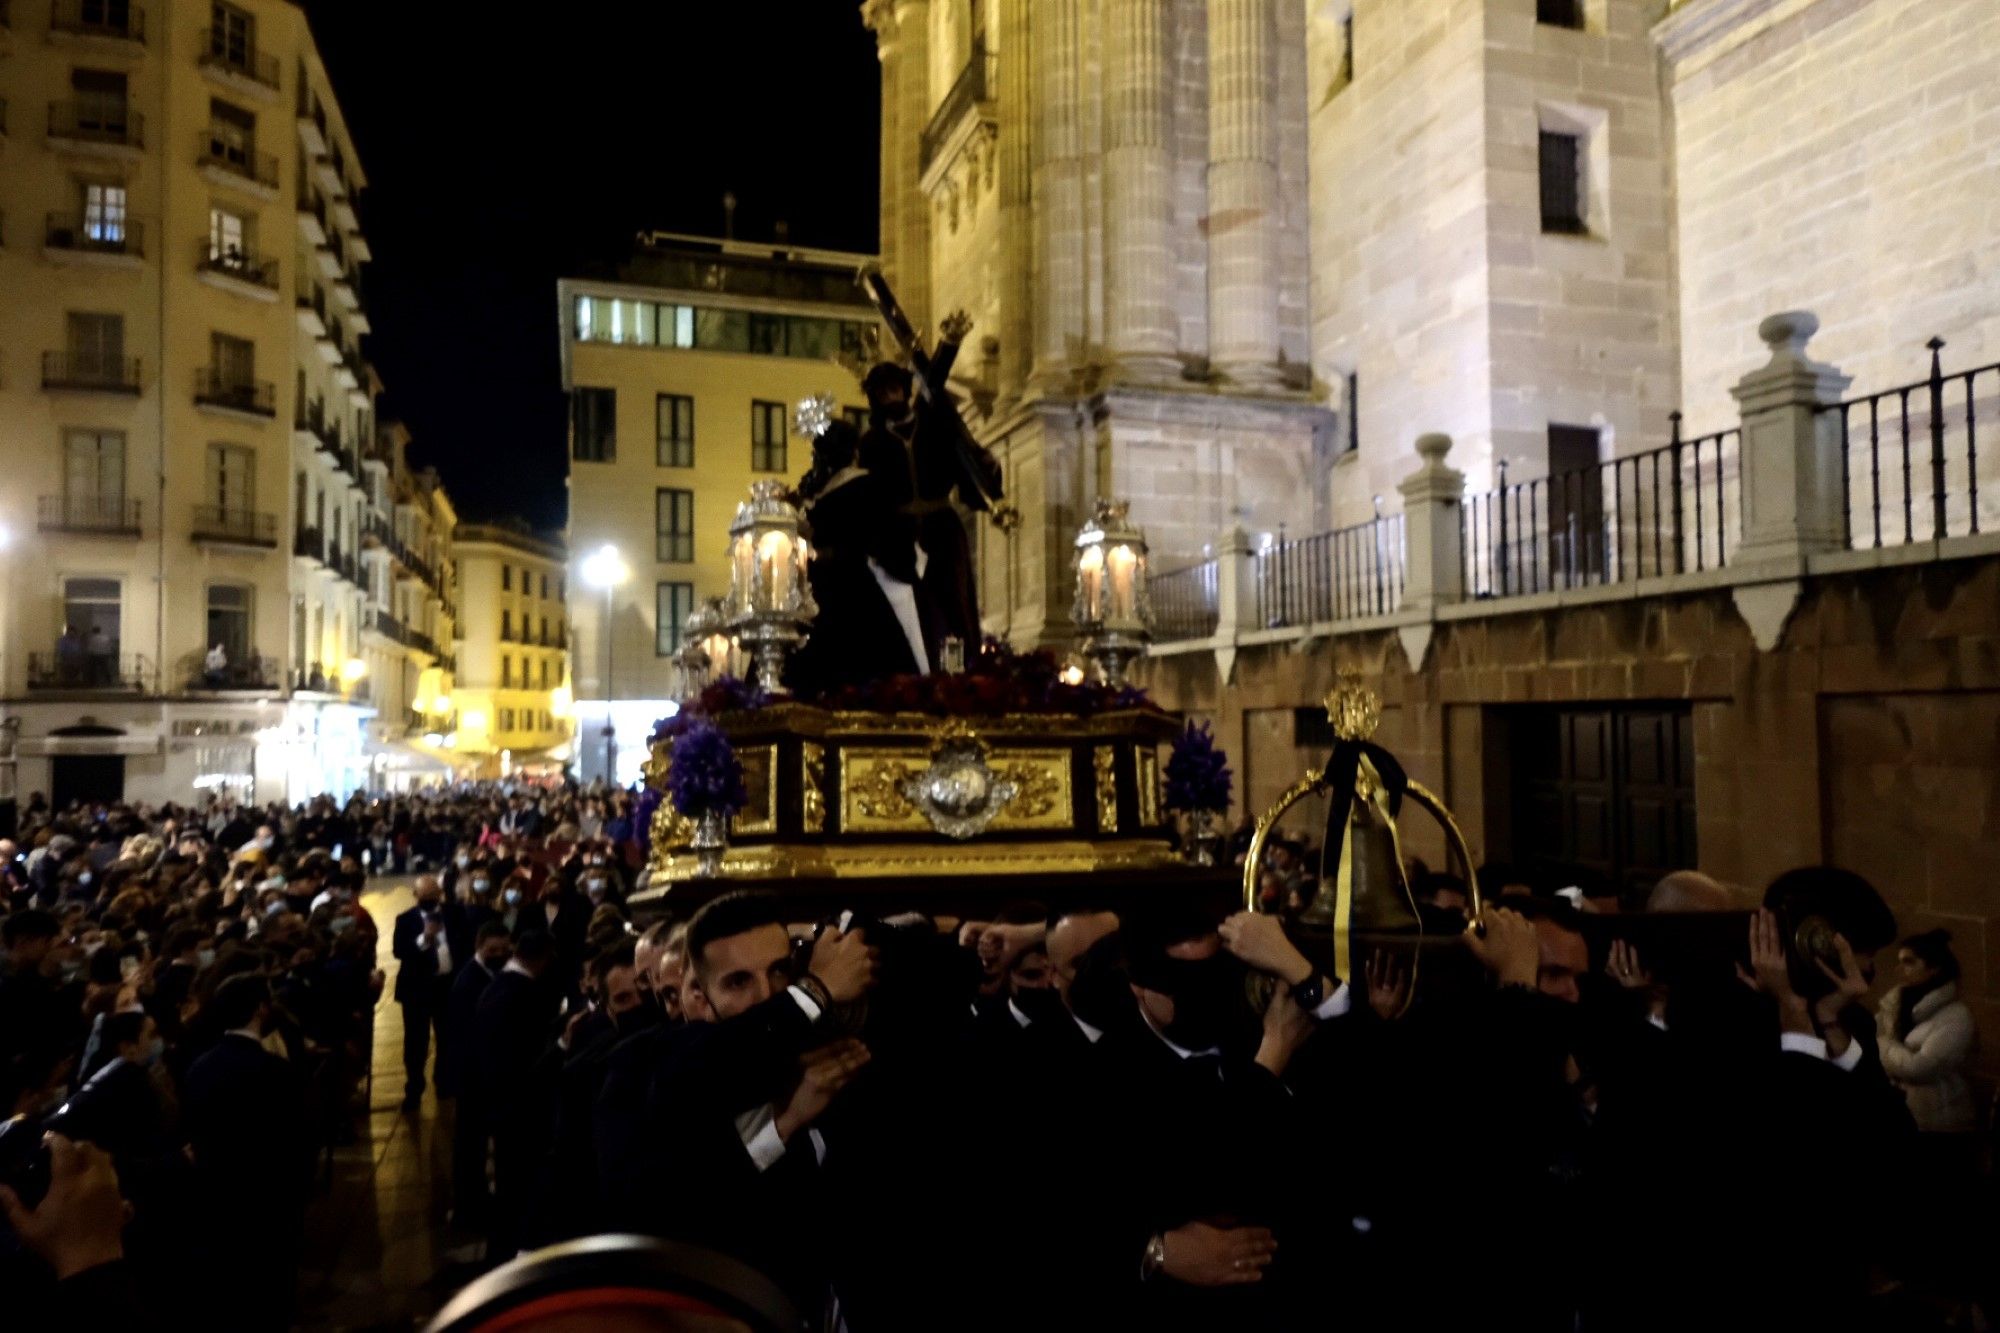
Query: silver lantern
[770,602]
[1113,611]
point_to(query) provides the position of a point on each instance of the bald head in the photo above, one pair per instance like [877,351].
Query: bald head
[1071,937]
[1690,891]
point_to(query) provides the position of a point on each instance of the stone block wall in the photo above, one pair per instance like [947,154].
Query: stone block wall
[1836,156]
[1870,737]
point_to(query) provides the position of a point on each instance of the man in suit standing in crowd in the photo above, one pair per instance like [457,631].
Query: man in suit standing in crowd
[431,942]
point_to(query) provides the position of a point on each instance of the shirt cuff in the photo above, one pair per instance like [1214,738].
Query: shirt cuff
[759,1130]
[1336,1004]
[1849,1058]
[1803,1043]
[805,1003]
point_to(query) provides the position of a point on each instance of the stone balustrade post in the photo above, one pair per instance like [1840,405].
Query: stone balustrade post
[1432,531]
[1793,501]
[1236,583]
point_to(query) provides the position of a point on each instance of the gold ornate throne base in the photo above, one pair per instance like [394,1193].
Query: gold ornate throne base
[837,797]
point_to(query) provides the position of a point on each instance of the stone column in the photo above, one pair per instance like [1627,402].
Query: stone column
[1792,498]
[1435,575]
[1057,186]
[1140,329]
[912,278]
[880,17]
[1243,191]
[1017,231]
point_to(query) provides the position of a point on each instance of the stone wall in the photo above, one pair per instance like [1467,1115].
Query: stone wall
[1836,155]
[1870,737]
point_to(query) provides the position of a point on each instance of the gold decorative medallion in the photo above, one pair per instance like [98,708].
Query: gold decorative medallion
[1105,761]
[1353,708]
[812,782]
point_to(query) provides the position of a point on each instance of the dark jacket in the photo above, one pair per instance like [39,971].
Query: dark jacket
[418,981]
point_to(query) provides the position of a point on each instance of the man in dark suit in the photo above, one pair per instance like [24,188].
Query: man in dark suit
[430,942]
[244,1110]
[470,1135]
[513,1030]
[563,915]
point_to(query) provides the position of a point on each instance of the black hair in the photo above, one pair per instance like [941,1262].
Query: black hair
[32,924]
[1849,903]
[122,1029]
[182,938]
[103,968]
[834,448]
[736,913]
[1933,948]
[882,377]
[238,999]
[621,954]
[533,948]
[1555,911]
[492,930]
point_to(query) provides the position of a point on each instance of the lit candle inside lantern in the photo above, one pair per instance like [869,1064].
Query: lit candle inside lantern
[774,561]
[1121,564]
[745,559]
[1090,577]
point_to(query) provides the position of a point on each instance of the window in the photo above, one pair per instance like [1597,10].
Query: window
[104,213]
[506,669]
[506,625]
[1559,13]
[228,239]
[545,631]
[545,673]
[545,591]
[767,335]
[229,621]
[506,718]
[593,425]
[673,526]
[92,608]
[856,417]
[1562,182]
[234,359]
[674,603]
[100,102]
[506,578]
[97,346]
[1353,413]
[562,588]
[232,479]
[673,414]
[676,326]
[767,437]
[1347,48]
[93,476]
[232,134]
[722,330]
[231,35]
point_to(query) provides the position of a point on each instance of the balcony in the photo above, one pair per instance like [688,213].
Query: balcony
[969,103]
[308,544]
[72,666]
[253,673]
[89,372]
[311,306]
[220,391]
[312,218]
[237,166]
[234,527]
[104,128]
[68,239]
[106,21]
[236,270]
[389,627]
[239,65]
[100,515]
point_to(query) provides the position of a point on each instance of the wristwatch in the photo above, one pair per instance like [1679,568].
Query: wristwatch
[1155,1257]
[1311,992]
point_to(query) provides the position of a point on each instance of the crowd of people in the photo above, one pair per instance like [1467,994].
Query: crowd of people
[1157,1117]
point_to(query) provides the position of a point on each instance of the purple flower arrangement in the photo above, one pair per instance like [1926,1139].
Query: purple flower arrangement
[1198,776]
[704,776]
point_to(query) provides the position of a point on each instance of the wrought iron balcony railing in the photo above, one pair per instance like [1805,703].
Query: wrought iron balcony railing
[244,526]
[90,372]
[109,514]
[217,388]
[95,235]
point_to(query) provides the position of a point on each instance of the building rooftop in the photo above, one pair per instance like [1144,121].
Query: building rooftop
[673,261]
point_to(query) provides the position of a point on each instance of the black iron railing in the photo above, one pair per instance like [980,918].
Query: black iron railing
[975,84]
[87,513]
[101,121]
[235,160]
[235,262]
[99,18]
[1910,457]
[310,543]
[1344,574]
[90,371]
[215,523]
[1670,510]
[220,52]
[218,388]
[73,666]
[102,236]
[252,673]
[1186,602]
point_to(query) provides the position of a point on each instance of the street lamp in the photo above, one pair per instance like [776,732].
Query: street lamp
[605,568]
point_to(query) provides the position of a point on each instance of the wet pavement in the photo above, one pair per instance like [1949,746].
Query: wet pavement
[377,1252]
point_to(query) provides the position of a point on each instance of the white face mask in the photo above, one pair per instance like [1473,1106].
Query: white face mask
[513,897]
[464,861]
[481,885]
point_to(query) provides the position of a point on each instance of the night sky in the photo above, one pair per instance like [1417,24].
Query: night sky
[507,147]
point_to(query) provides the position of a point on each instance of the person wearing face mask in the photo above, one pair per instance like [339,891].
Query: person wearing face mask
[470,1137]
[430,942]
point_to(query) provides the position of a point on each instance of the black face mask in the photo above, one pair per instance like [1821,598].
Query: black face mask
[638,1020]
[1041,1004]
[1209,1006]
